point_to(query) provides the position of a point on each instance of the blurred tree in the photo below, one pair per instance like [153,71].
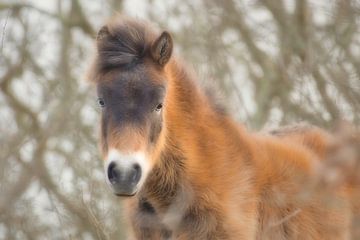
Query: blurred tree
[275,62]
[52,184]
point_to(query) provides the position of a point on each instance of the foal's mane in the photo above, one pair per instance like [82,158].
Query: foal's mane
[123,43]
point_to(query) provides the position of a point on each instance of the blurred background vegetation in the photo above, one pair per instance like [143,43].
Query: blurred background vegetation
[275,62]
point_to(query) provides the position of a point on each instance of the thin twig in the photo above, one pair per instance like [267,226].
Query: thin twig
[4,31]
[287,218]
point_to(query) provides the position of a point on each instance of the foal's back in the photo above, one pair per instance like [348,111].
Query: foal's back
[294,205]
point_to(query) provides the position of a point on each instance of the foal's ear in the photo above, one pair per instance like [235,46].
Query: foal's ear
[103,32]
[161,49]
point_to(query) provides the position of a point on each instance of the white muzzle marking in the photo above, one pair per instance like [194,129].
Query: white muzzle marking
[127,161]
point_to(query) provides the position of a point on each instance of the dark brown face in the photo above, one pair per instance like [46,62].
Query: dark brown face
[131,84]
[131,102]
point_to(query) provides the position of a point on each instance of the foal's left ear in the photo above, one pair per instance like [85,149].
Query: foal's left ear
[161,49]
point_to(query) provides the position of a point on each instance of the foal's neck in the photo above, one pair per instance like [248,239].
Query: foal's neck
[184,107]
[187,105]
[207,138]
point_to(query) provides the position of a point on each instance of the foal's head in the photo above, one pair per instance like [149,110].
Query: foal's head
[131,85]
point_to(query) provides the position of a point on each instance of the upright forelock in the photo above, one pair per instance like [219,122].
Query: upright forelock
[123,42]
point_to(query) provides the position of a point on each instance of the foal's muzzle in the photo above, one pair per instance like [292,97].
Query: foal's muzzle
[123,181]
[125,173]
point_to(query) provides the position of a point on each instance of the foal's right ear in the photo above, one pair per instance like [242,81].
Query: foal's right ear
[161,49]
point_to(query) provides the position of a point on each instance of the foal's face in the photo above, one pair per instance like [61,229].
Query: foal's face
[132,102]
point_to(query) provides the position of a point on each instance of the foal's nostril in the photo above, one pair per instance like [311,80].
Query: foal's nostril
[113,173]
[136,173]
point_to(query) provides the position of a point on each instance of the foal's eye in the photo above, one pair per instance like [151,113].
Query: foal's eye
[101,102]
[158,107]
